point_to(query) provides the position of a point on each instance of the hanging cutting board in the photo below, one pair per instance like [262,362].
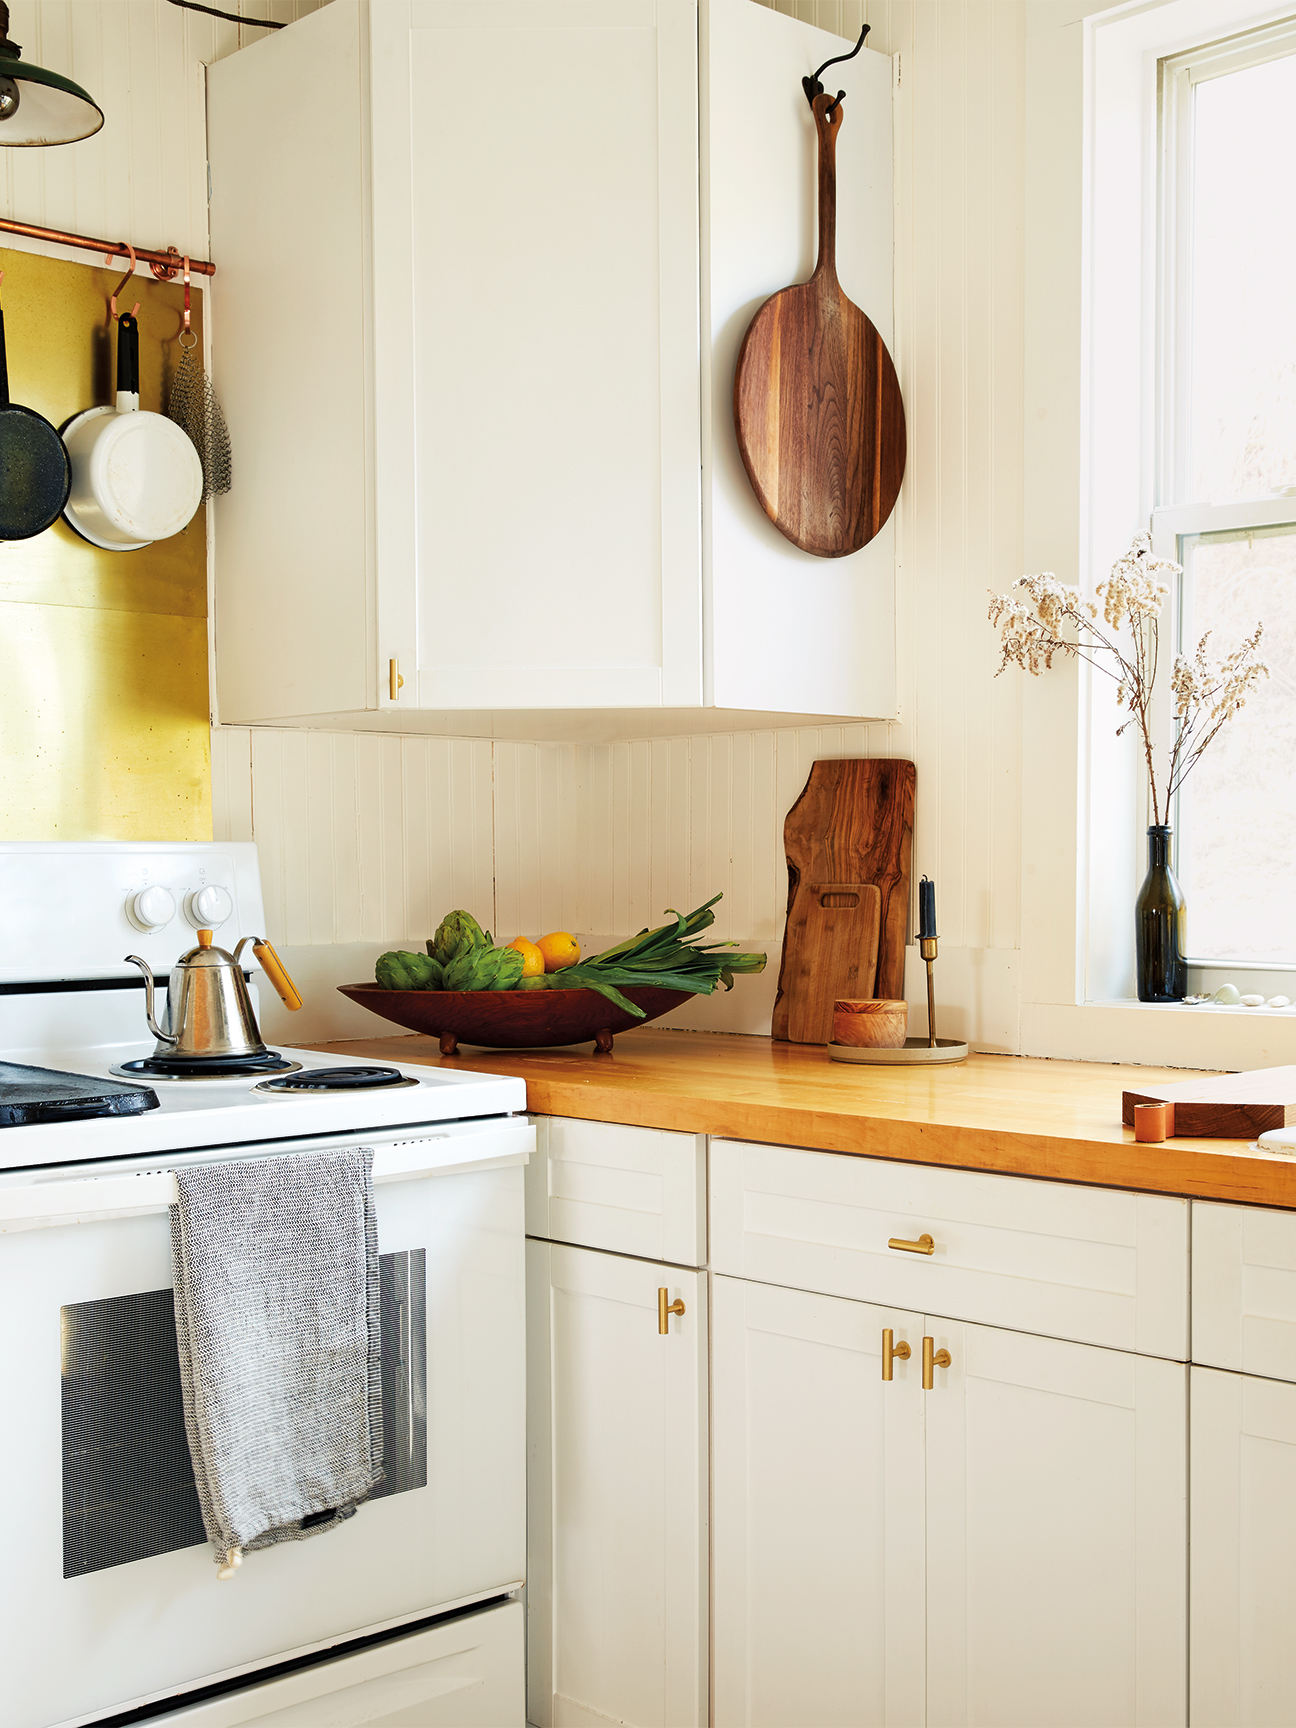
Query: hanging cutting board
[849,841]
[1224,1106]
[817,404]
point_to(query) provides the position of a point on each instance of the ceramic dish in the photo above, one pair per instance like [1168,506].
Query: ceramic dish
[912,1051]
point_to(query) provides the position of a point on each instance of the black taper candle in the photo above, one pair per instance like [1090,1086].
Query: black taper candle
[926,908]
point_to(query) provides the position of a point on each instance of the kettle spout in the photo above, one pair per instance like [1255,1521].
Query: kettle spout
[161,1036]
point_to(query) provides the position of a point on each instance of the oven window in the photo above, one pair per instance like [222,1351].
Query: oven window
[128,1488]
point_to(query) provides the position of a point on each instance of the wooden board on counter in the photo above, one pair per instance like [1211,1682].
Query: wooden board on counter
[1019,1115]
[848,840]
[1222,1107]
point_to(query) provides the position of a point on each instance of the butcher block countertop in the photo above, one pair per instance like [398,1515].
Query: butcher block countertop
[1020,1115]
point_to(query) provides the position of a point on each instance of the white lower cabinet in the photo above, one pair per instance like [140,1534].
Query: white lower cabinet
[1243,1550]
[617,1596]
[1056,1516]
[817,1513]
[1006,1550]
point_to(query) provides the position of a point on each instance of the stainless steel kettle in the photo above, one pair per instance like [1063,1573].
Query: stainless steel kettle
[209,1010]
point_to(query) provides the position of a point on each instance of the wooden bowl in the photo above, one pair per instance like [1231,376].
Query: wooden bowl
[514,1019]
[872,1025]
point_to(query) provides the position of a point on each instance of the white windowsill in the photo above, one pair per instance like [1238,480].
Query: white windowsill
[1163,1035]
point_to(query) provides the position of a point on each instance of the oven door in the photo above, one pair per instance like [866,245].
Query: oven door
[109,1595]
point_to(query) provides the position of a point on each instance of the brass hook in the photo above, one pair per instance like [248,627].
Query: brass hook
[112,301]
[187,329]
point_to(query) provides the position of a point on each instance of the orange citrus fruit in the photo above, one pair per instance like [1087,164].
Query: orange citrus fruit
[560,948]
[533,960]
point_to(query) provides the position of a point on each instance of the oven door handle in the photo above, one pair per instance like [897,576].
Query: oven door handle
[91,1199]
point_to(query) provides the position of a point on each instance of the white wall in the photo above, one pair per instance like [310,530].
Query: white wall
[366,841]
[143,176]
[599,839]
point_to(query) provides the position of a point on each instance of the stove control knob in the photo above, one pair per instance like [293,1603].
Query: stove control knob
[151,908]
[208,908]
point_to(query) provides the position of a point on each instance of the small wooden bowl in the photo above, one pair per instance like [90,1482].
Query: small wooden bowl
[871,1025]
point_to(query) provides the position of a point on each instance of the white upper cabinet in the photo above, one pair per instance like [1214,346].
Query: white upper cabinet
[484,270]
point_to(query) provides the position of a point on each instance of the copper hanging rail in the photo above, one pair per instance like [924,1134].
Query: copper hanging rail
[166,266]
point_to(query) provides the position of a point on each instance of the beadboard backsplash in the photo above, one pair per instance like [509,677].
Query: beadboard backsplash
[366,842]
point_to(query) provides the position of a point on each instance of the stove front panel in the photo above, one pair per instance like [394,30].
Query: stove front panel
[109,1595]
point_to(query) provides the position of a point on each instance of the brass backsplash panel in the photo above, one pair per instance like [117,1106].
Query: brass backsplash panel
[104,718]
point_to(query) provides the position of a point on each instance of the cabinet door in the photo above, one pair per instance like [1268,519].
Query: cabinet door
[817,1512]
[535,222]
[617,1529]
[1243,1550]
[1056,1534]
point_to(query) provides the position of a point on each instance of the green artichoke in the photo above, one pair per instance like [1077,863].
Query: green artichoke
[484,969]
[457,933]
[403,970]
[507,964]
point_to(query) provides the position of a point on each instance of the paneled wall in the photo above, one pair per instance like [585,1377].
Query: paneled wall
[366,839]
[143,176]
[600,838]
[103,656]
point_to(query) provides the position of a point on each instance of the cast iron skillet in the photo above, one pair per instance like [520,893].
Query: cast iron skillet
[35,473]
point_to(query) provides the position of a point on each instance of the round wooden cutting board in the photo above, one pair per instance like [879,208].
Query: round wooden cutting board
[817,403]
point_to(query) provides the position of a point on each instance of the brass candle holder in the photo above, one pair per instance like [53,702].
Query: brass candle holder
[927,948]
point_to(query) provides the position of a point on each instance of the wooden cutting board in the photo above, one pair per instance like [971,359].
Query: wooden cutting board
[817,403]
[849,840]
[1225,1107]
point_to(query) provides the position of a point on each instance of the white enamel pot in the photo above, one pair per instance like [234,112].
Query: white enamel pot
[136,477]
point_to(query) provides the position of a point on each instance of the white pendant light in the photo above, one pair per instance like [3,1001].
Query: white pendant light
[40,107]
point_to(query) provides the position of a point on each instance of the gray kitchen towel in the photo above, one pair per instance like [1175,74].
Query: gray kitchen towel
[275,1263]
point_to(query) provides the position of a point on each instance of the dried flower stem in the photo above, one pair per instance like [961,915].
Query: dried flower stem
[1057,619]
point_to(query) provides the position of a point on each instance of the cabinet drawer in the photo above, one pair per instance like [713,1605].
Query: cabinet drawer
[630,1190]
[1244,1289]
[1090,1264]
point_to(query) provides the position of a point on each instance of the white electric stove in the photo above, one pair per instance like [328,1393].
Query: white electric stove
[109,1605]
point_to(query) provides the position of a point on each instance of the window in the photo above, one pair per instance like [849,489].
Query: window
[1226,468]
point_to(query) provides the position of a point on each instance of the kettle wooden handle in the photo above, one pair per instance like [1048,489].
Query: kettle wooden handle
[273,968]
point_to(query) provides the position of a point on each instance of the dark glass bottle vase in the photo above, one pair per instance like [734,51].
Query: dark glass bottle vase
[1159,919]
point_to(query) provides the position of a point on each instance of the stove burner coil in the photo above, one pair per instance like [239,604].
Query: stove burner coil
[338,1080]
[209,1067]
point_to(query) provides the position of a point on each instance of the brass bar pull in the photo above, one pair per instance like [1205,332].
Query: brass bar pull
[664,1308]
[890,1350]
[395,683]
[924,1244]
[932,1359]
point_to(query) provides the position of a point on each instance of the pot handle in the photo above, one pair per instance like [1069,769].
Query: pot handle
[273,967]
[127,363]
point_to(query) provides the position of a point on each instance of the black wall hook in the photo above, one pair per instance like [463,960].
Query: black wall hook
[813,87]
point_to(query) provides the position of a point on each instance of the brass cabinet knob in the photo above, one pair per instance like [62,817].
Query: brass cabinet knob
[890,1350]
[924,1244]
[395,683]
[932,1358]
[664,1308]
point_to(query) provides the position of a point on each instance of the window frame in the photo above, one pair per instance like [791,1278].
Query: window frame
[1176,518]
